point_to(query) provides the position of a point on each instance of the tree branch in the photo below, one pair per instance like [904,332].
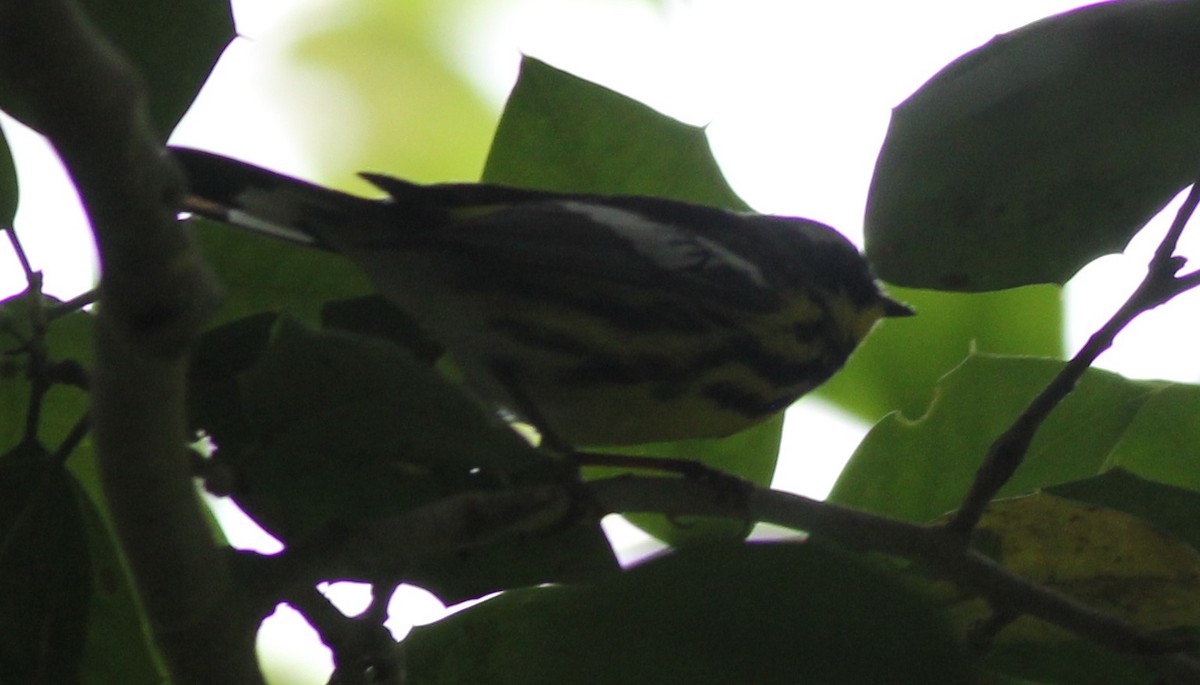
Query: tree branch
[62,78]
[392,547]
[363,649]
[389,548]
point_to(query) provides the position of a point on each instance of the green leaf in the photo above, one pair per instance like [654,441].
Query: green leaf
[9,189]
[113,645]
[118,647]
[374,316]
[1106,559]
[889,373]
[45,571]
[919,469]
[1049,146]
[562,133]
[215,404]
[67,338]
[328,427]
[573,554]
[14,387]
[763,614]
[1163,441]
[347,427]
[1076,662]
[68,609]
[96,594]
[260,274]
[174,45]
[1171,509]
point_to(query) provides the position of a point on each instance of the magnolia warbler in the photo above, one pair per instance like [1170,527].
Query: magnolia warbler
[606,320]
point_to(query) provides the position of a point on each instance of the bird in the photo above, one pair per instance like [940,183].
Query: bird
[601,320]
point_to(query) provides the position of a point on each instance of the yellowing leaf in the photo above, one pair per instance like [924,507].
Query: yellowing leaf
[1107,559]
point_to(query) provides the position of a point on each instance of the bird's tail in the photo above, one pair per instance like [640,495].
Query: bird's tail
[263,201]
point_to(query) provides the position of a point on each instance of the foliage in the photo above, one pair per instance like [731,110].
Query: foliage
[337,432]
[1082,147]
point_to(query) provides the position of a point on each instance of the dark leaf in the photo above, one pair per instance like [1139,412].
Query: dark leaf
[264,274]
[118,648]
[173,44]
[9,189]
[374,316]
[1029,157]
[328,428]
[1173,509]
[763,614]
[45,571]
[1077,662]
[68,338]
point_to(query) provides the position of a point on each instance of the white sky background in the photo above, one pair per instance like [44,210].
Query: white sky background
[796,96]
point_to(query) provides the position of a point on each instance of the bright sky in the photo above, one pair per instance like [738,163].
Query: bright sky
[795,95]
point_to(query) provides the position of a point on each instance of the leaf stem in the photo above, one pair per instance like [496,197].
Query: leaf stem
[30,274]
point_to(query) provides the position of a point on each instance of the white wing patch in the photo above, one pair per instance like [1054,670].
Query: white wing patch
[669,245]
[274,212]
[254,224]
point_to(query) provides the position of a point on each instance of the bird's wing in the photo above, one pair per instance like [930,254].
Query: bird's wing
[612,240]
[698,254]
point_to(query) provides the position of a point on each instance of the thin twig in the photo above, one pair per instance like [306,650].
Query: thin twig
[75,436]
[35,350]
[391,548]
[1008,451]
[332,626]
[72,305]
[30,274]
[363,649]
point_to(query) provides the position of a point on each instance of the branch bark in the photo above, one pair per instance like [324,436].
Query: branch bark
[393,546]
[58,75]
